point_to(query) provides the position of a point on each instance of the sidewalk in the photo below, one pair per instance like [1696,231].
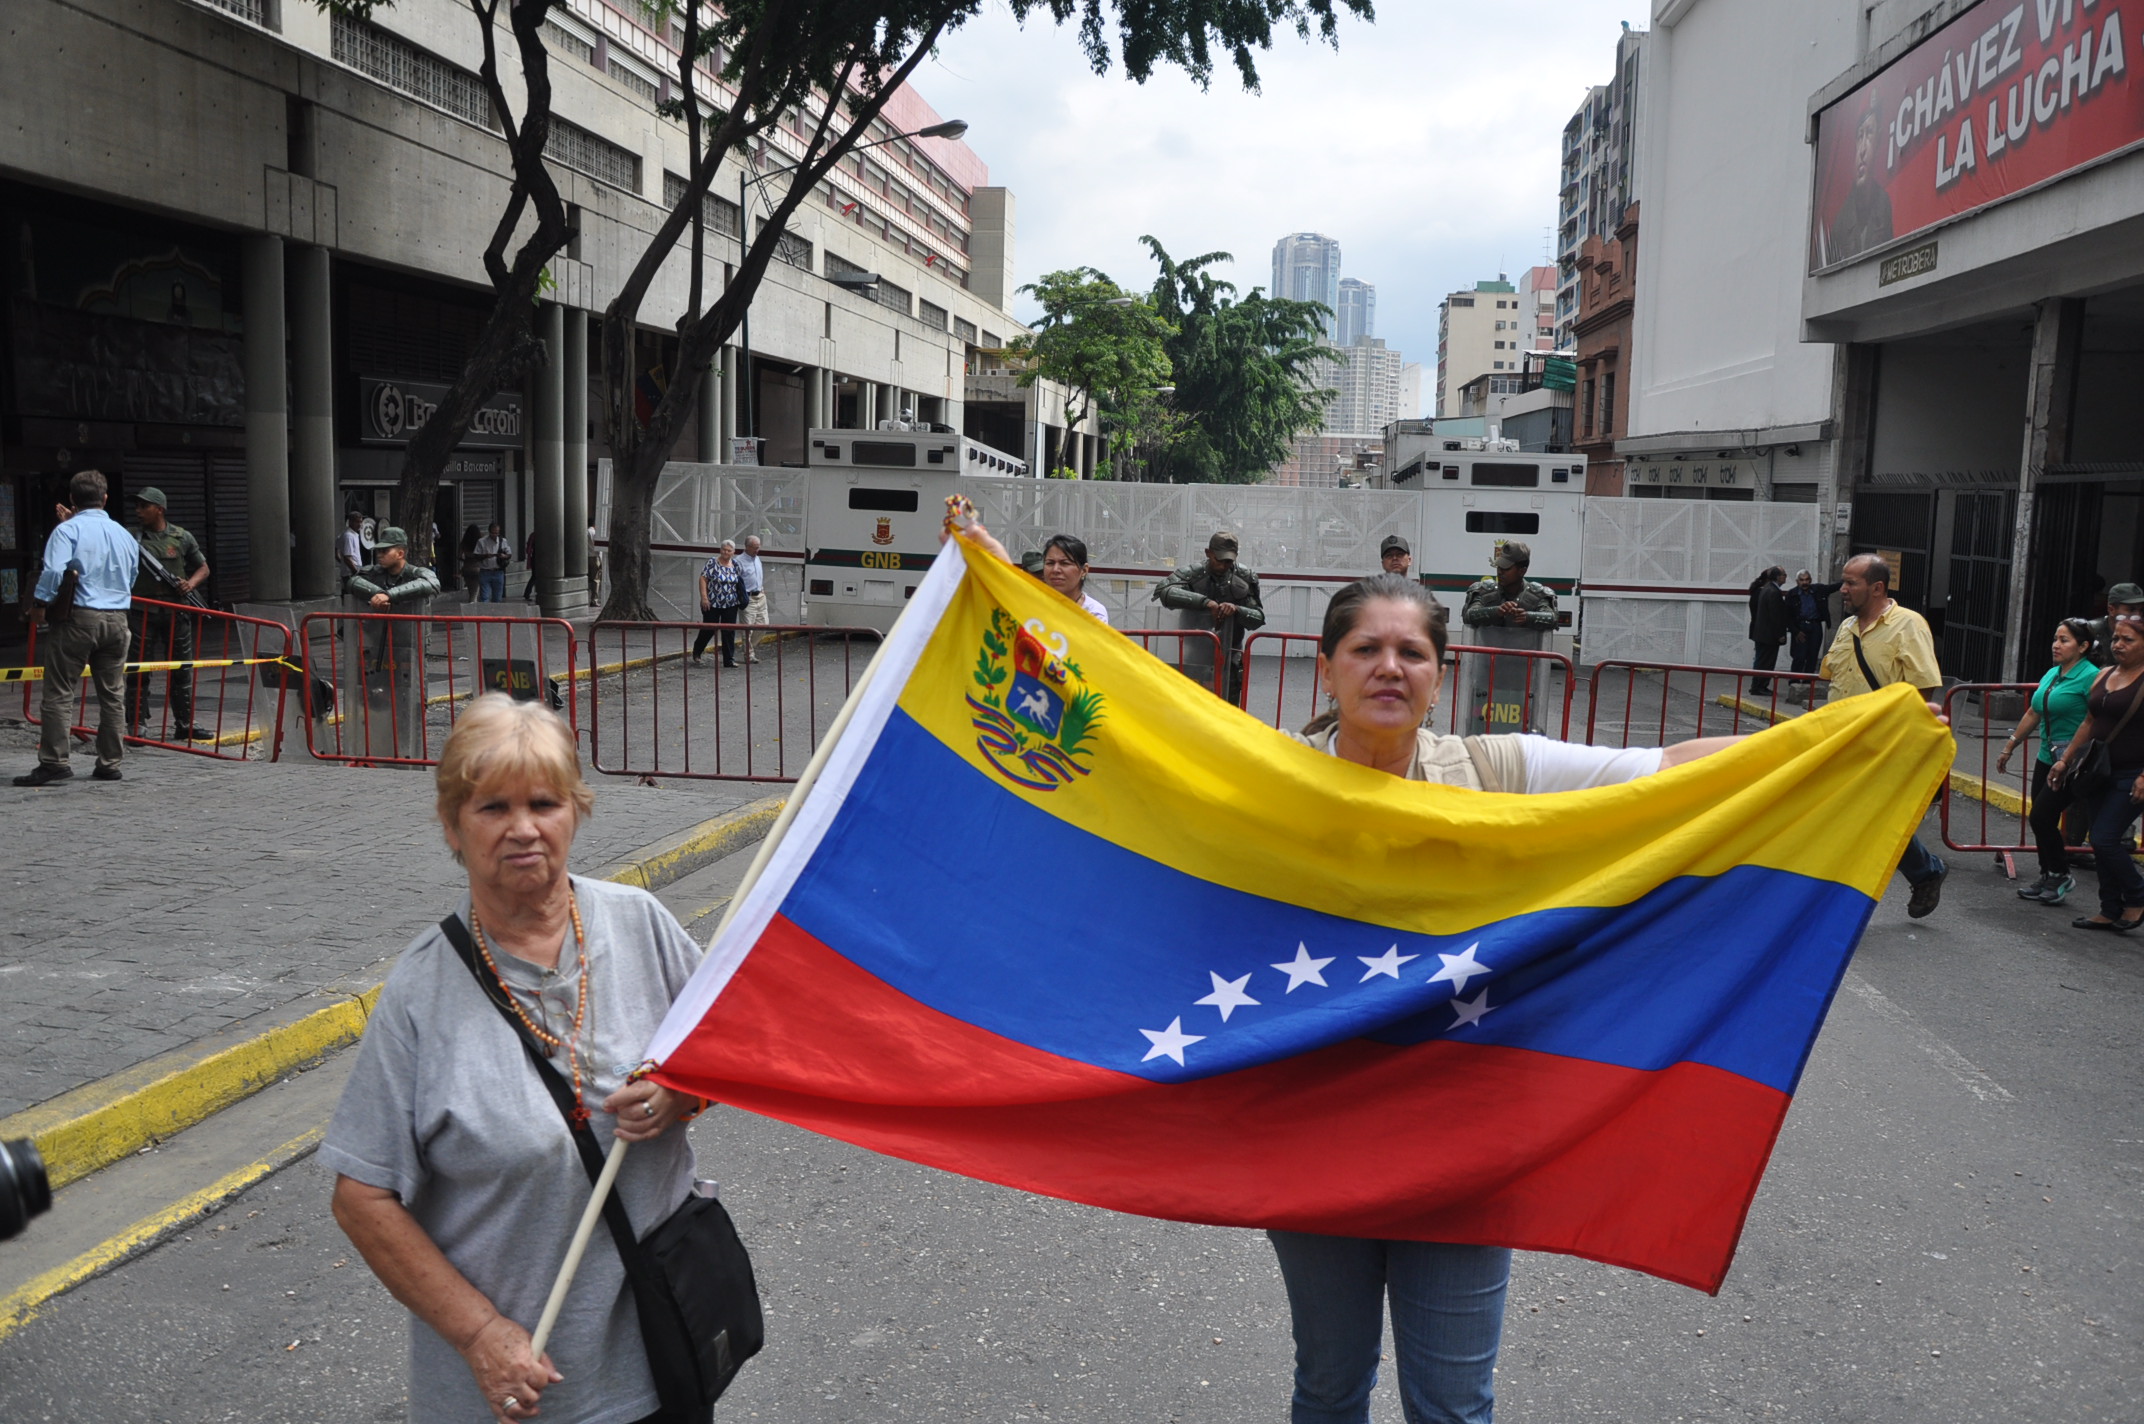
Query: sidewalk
[197,897]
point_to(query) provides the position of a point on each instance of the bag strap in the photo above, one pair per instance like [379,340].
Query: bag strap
[2136,695]
[650,1294]
[1868,673]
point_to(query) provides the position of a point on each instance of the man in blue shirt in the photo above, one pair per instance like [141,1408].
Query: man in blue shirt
[90,628]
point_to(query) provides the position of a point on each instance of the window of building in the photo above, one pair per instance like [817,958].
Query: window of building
[720,214]
[900,299]
[634,80]
[964,329]
[794,250]
[839,266]
[1462,301]
[599,158]
[1499,365]
[1586,421]
[1608,403]
[560,40]
[398,64]
[932,315]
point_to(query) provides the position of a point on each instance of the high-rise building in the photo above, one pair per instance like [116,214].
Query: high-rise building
[1368,377]
[1358,312]
[1600,176]
[1482,330]
[1306,268]
[1537,291]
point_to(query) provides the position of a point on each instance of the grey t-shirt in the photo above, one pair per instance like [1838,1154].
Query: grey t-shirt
[445,1110]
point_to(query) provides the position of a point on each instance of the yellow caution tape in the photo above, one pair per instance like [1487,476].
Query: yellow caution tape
[37,674]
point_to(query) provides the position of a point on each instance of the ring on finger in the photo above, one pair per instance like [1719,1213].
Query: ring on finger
[647,1109]
[511,1402]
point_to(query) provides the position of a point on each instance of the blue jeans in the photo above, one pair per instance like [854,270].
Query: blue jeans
[1447,1319]
[1919,863]
[491,586]
[2119,883]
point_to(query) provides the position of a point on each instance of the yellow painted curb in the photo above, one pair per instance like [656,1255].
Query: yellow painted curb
[98,1123]
[710,841]
[607,669]
[20,1306]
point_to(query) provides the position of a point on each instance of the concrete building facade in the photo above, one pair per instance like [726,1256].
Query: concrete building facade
[300,205]
[1910,289]
[1600,172]
[1481,330]
[1607,289]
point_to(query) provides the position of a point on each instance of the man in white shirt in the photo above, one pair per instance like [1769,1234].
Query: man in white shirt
[493,553]
[755,593]
[350,544]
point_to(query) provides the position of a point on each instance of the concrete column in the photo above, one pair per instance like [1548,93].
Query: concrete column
[267,419]
[867,405]
[815,399]
[1853,400]
[708,404]
[729,404]
[576,421]
[548,457]
[313,515]
[2050,400]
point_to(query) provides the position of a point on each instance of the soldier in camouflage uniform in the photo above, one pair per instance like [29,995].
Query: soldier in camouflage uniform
[1219,596]
[389,580]
[1510,599]
[159,634]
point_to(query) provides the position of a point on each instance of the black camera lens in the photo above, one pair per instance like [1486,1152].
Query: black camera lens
[25,1190]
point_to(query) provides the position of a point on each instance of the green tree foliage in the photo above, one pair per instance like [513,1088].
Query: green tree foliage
[1245,372]
[1104,345]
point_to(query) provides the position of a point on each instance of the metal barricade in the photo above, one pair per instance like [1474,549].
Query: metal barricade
[1198,651]
[1974,777]
[661,703]
[198,666]
[1512,689]
[1640,704]
[400,679]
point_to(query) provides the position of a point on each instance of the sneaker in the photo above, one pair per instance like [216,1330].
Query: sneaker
[44,774]
[2058,889]
[1928,894]
[106,773]
[2038,889]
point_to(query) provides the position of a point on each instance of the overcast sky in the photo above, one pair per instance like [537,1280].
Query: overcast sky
[1427,144]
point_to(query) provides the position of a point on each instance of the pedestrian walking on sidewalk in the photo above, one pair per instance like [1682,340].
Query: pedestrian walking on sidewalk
[2057,709]
[81,599]
[2104,767]
[1808,615]
[754,575]
[721,600]
[494,552]
[1881,643]
[1767,625]
[162,634]
[457,1177]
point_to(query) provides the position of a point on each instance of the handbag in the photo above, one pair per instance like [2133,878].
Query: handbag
[692,1281]
[2095,759]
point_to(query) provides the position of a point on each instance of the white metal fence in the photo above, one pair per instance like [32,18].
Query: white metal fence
[1667,580]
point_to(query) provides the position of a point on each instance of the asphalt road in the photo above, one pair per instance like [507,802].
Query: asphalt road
[1949,1232]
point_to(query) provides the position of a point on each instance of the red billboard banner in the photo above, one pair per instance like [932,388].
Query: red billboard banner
[1997,101]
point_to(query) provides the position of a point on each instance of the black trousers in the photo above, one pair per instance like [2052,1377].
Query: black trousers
[161,635]
[726,620]
[1766,660]
[2047,808]
[1808,640]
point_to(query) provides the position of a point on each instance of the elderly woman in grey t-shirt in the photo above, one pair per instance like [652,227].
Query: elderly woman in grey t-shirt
[458,1179]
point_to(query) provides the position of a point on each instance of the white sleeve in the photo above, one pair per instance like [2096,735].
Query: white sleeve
[1565,766]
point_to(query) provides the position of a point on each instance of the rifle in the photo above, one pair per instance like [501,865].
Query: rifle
[155,566]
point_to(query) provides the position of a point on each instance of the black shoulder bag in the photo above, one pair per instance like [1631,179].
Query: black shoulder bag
[1868,673]
[691,1279]
[2094,767]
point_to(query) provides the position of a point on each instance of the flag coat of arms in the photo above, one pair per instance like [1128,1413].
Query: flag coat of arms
[1054,917]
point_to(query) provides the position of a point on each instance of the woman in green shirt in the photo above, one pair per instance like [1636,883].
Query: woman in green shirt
[2059,702]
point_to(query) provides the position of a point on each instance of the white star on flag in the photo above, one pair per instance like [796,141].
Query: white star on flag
[1387,963]
[1228,995]
[1171,1041]
[1469,1011]
[1459,968]
[1303,969]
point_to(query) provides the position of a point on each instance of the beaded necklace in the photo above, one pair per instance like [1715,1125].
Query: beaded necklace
[575,1053]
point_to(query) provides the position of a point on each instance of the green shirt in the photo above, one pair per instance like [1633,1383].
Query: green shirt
[411,582]
[1485,603]
[2060,701]
[178,551]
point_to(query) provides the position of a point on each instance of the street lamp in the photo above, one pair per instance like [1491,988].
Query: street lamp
[862,283]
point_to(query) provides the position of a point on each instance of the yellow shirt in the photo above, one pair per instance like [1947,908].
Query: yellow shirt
[1899,649]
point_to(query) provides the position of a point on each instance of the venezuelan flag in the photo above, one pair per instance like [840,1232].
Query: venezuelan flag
[1055,918]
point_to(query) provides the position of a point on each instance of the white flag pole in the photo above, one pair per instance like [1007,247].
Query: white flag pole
[609,1176]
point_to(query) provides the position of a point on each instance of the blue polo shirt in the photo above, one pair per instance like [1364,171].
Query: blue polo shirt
[106,556]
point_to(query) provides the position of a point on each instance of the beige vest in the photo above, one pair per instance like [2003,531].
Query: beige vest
[1477,763]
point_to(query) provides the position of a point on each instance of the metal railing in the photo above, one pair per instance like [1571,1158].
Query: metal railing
[2006,793]
[212,704]
[1641,704]
[1197,651]
[400,679]
[660,707]
[1485,690]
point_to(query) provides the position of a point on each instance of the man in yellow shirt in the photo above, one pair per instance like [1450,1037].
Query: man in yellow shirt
[1879,643]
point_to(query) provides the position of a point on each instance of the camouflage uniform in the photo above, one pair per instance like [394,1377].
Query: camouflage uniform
[1485,600]
[411,581]
[159,634]
[1187,591]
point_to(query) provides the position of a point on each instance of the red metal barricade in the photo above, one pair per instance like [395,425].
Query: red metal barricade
[1195,649]
[1468,701]
[2003,796]
[214,705]
[401,679]
[1640,704]
[656,707]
